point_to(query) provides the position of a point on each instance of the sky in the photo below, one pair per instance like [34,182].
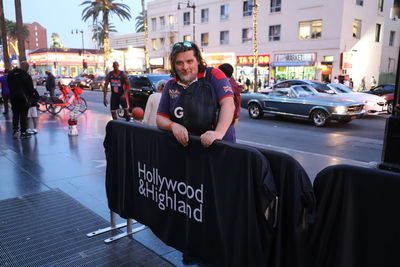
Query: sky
[62,16]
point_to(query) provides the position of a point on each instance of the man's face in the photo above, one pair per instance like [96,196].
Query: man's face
[115,66]
[187,66]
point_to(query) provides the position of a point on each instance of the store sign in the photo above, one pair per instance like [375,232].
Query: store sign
[295,57]
[346,60]
[159,61]
[249,60]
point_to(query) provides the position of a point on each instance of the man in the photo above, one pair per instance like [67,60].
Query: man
[5,91]
[117,79]
[335,80]
[21,91]
[227,69]
[187,66]
[50,83]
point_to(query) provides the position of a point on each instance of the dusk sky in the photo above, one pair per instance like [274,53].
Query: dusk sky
[61,16]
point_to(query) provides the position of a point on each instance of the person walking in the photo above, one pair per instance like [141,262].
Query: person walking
[50,83]
[5,91]
[21,93]
[335,80]
[150,112]
[117,79]
[372,82]
[189,71]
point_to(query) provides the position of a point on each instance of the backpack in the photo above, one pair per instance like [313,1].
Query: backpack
[201,108]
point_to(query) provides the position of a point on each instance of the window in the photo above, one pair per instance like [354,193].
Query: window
[204,15]
[310,29]
[186,18]
[380,5]
[172,40]
[224,12]
[162,42]
[154,44]
[224,37]
[187,38]
[359,2]
[377,32]
[153,24]
[204,39]
[391,38]
[171,19]
[247,8]
[275,6]
[357,29]
[274,33]
[246,35]
[162,22]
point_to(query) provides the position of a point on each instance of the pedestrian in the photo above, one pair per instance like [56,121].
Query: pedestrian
[5,91]
[150,112]
[248,83]
[372,82]
[21,93]
[227,69]
[32,114]
[119,85]
[190,71]
[346,82]
[335,80]
[271,81]
[50,83]
[351,83]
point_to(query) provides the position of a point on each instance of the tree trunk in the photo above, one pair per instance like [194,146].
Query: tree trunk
[106,37]
[146,38]
[255,45]
[20,31]
[3,30]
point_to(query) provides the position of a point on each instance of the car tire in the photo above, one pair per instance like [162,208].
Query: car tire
[319,117]
[390,107]
[255,111]
[344,120]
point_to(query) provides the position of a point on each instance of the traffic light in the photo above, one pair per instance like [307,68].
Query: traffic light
[84,64]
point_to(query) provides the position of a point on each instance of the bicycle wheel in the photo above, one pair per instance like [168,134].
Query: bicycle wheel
[82,105]
[42,107]
[53,109]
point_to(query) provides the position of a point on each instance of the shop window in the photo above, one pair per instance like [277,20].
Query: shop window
[274,33]
[357,29]
[224,12]
[246,35]
[377,32]
[328,58]
[204,15]
[275,6]
[247,8]
[359,2]
[154,44]
[171,19]
[380,5]
[224,37]
[310,29]
[153,24]
[187,38]
[162,22]
[186,18]
[391,38]
[204,39]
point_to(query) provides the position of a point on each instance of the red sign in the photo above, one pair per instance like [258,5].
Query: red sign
[347,59]
[249,60]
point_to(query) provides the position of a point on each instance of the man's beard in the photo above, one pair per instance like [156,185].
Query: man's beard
[189,77]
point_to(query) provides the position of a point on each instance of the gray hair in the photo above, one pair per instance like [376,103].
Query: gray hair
[160,85]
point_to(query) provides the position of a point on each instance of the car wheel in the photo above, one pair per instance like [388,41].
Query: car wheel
[255,111]
[319,117]
[344,120]
[390,107]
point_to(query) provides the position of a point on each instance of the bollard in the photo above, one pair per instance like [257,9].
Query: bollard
[73,121]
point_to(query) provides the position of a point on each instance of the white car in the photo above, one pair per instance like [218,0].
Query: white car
[373,104]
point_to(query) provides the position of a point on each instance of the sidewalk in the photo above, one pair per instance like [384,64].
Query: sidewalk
[76,165]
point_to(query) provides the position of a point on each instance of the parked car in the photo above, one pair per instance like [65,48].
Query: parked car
[389,98]
[82,81]
[381,89]
[64,80]
[97,83]
[142,86]
[301,101]
[318,86]
[373,104]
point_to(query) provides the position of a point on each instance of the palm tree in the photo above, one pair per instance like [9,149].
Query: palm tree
[146,37]
[11,31]
[139,26]
[7,64]
[99,33]
[20,33]
[106,8]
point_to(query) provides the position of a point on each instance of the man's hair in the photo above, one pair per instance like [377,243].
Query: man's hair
[181,47]
[227,69]
[160,85]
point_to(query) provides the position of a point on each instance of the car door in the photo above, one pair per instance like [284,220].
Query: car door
[280,101]
[304,99]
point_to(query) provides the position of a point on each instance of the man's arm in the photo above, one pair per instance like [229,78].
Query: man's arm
[126,81]
[179,131]
[105,91]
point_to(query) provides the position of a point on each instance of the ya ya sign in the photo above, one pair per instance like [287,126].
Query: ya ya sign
[249,60]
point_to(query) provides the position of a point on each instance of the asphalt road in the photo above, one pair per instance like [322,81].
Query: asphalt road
[359,140]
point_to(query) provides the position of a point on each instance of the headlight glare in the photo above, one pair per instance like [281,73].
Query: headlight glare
[340,110]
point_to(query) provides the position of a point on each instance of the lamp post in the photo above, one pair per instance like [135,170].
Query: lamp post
[191,5]
[76,31]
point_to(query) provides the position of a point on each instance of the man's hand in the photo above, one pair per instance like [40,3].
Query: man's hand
[209,137]
[105,102]
[181,134]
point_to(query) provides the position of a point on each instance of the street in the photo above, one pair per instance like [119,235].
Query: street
[360,140]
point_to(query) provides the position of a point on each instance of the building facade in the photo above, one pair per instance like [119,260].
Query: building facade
[37,37]
[309,39]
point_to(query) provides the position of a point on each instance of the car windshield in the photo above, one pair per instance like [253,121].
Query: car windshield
[155,79]
[322,88]
[341,88]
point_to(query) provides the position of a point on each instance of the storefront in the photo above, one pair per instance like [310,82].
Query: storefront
[216,59]
[245,70]
[294,66]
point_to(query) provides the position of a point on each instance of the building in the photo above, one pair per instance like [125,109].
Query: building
[309,39]
[37,37]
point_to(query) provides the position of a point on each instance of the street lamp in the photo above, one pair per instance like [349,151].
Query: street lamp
[76,31]
[191,5]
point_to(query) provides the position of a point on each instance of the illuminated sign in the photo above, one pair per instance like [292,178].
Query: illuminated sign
[249,60]
[346,60]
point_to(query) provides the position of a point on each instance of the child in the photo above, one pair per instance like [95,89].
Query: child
[32,113]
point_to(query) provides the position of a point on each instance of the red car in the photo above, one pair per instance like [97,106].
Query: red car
[389,98]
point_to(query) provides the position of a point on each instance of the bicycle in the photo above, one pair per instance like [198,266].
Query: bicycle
[55,105]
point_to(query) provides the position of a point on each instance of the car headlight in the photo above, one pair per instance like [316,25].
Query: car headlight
[340,110]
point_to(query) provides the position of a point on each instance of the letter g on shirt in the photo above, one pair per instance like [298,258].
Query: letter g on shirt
[178,112]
